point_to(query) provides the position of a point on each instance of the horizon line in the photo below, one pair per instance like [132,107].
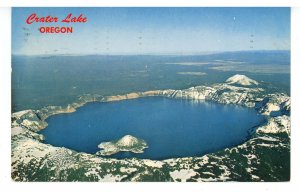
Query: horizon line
[151,54]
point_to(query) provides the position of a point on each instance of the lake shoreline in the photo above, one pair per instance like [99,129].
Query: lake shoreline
[276,106]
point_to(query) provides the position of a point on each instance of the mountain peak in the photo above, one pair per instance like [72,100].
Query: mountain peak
[241,80]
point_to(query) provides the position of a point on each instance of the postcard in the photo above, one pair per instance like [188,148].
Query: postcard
[168,94]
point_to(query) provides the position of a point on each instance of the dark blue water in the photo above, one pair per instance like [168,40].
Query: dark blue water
[171,127]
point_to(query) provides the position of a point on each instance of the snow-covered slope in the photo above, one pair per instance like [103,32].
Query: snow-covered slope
[241,80]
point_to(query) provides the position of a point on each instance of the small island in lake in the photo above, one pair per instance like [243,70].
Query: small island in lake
[126,143]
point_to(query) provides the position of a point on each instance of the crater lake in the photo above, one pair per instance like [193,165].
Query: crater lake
[170,127]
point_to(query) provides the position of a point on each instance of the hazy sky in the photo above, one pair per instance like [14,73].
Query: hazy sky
[154,30]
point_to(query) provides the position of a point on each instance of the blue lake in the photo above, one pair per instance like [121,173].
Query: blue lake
[170,127]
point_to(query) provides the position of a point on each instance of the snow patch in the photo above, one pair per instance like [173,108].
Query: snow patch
[127,170]
[156,164]
[183,174]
